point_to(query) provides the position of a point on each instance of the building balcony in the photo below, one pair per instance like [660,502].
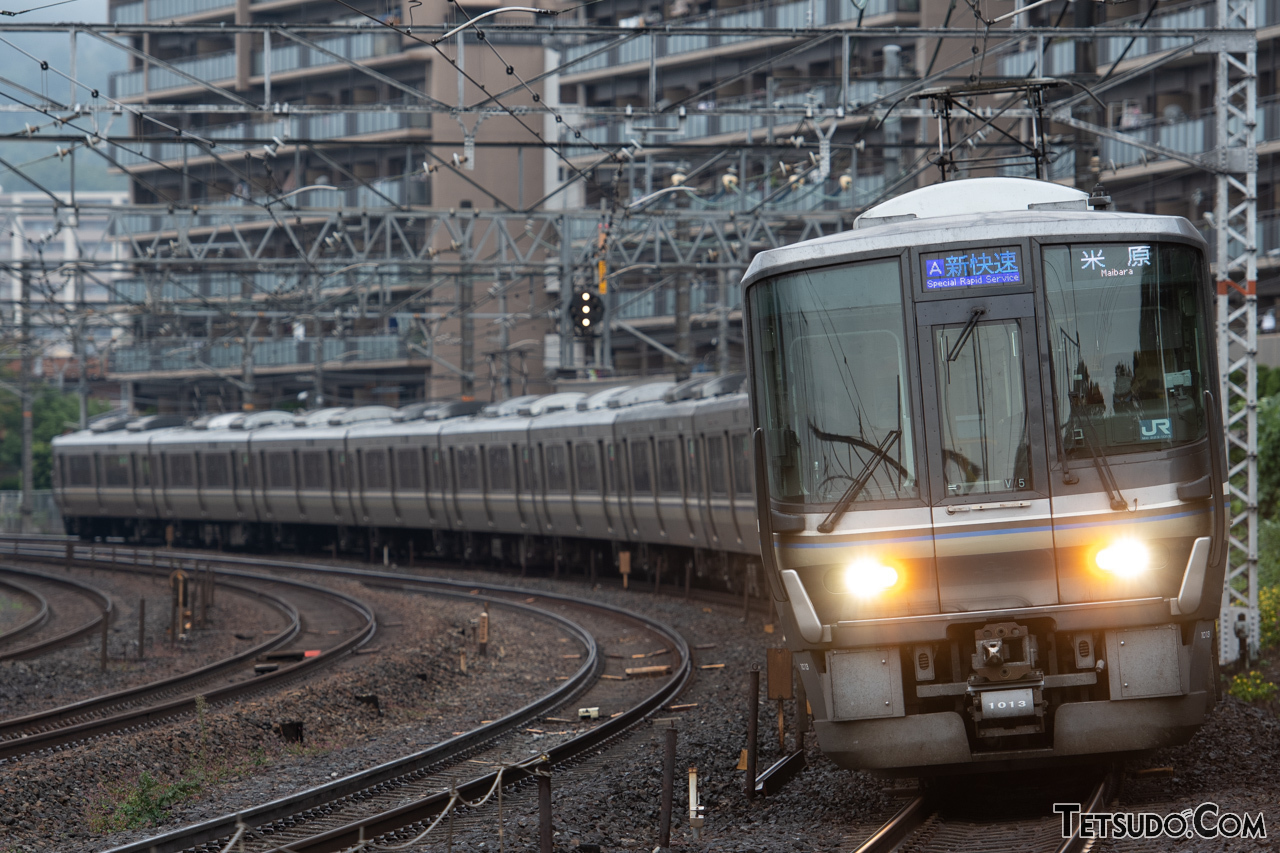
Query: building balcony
[201,357]
[1191,136]
[333,126]
[220,68]
[801,15]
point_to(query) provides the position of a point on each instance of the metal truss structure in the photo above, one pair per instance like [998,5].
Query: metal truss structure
[381,255]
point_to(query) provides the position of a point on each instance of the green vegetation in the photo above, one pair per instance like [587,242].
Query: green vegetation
[1251,687]
[142,802]
[53,412]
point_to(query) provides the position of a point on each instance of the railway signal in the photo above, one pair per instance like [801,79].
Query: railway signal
[588,313]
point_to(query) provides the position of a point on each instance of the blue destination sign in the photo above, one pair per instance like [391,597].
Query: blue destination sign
[972,268]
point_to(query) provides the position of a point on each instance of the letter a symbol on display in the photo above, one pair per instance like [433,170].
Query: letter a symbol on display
[935,268]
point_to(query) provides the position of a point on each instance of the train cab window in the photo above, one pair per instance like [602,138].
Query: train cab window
[312,469]
[588,471]
[408,469]
[182,474]
[693,465]
[641,482]
[668,466]
[833,385]
[467,460]
[717,481]
[278,474]
[1130,359]
[499,469]
[115,469]
[217,473]
[557,469]
[741,463]
[79,471]
[375,469]
[982,406]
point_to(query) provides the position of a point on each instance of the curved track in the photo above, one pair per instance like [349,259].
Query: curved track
[322,818]
[151,703]
[61,586]
[41,606]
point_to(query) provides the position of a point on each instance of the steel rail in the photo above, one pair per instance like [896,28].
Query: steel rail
[71,634]
[1074,843]
[40,617]
[418,764]
[399,771]
[186,705]
[906,821]
[182,681]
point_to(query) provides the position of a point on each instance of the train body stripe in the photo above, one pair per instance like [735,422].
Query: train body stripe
[1006,530]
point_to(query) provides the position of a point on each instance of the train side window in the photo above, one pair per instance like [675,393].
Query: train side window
[182,473]
[557,471]
[668,466]
[641,482]
[116,470]
[716,478]
[530,476]
[741,464]
[615,467]
[375,469]
[468,461]
[499,469]
[217,474]
[408,473]
[694,466]
[588,471]
[338,460]
[278,474]
[142,470]
[312,469]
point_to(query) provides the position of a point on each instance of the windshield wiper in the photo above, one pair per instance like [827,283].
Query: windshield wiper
[965,333]
[1103,467]
[859,482]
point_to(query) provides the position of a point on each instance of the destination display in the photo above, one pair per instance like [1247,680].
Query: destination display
[972,268]
[1109,260]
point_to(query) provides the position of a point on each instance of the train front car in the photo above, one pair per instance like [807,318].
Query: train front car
[990,465]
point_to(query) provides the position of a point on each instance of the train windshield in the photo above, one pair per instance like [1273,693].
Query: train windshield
[832,384]
[1129,349]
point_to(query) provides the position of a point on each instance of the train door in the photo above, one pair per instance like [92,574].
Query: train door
[984,435]
[522,485]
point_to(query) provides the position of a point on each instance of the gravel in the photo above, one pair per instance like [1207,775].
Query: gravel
[71,673]
[610,801]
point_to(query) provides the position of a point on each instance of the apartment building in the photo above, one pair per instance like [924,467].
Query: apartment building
[720,130]
[311,149]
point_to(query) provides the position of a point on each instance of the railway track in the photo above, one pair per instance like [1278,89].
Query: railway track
[933,822]
[38,602]
[397,798]
[54,594]
[222,681]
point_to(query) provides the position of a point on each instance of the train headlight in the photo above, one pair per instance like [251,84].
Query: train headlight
[1126,558]
[867,576]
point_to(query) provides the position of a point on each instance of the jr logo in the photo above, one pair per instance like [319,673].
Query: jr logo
[1156,429]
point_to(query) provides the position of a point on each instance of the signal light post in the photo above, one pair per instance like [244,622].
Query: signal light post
[588,313]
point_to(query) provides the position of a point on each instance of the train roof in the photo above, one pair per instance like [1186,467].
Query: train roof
[995,209]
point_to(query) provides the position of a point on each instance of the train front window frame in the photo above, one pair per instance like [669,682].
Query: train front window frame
[834,383]
[1129,355]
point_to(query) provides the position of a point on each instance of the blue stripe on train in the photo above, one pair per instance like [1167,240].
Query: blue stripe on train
[1003,531]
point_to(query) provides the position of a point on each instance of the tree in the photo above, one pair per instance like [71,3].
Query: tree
[53,412]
